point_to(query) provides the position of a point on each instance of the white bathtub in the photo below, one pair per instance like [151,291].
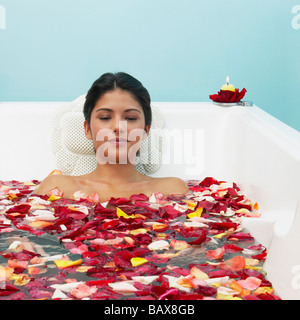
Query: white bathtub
[239,144]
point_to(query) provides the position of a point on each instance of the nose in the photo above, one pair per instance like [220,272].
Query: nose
[119,127]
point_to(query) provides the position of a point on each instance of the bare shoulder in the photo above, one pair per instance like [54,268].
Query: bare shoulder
[53,181]
[172,185]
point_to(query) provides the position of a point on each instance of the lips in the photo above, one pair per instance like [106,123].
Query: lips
[117,141]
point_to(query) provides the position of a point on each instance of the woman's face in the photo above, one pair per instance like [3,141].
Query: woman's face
[117,127]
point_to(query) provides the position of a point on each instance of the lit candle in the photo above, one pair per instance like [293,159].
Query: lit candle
[227,86]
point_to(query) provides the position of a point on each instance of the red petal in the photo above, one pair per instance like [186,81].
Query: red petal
[241,236]
[260,256]
[118,201]
[200,239]
[206,291]
[222,273]
[205,205]
[122,259]
[139,197]
[7,289]
[22,208]
[208,181]
[232,248]
[224,225]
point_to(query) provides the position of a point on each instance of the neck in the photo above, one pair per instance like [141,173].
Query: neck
[116,173]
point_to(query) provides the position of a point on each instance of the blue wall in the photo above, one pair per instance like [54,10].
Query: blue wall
[180,50]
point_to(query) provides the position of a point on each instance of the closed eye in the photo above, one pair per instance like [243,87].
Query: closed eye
[128,118]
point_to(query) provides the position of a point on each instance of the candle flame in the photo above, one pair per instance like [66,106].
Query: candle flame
[227,80]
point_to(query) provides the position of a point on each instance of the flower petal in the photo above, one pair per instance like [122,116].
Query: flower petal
[215,254]
[137,261]
[83,291]
[159,245]
[235,264]
[62,264]
[251,283]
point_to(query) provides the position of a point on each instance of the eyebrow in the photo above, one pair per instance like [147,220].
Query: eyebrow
[110,110]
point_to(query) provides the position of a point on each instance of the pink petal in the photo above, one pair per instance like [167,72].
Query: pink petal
[251,283]
[83,291]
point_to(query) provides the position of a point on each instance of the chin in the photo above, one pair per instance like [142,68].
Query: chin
[114,157]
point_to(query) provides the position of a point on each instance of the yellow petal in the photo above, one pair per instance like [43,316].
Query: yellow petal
[11,196]
[161,235]
[261,290]
[137,231]
[20,279]
[220,235]
[121,213]
[191,204]
[253,268]
[221,296]
[198,274]
[137,261]
[61,264]
[39,224]
[197,213]
[159,226]
[53,198]
[83,268]
[216,284]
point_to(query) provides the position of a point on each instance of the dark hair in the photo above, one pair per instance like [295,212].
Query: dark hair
[111,81]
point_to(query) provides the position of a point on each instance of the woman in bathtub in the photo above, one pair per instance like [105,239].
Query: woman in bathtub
[117,117]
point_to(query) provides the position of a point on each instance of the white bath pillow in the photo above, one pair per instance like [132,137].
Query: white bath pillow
[75,154]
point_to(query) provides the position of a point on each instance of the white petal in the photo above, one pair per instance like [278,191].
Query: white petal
[152,198]
[173,283]
[14,245]
[194,224]
[59,295]
[124,287]
[159,245]
[217,280]
[66,287]
[145,279]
